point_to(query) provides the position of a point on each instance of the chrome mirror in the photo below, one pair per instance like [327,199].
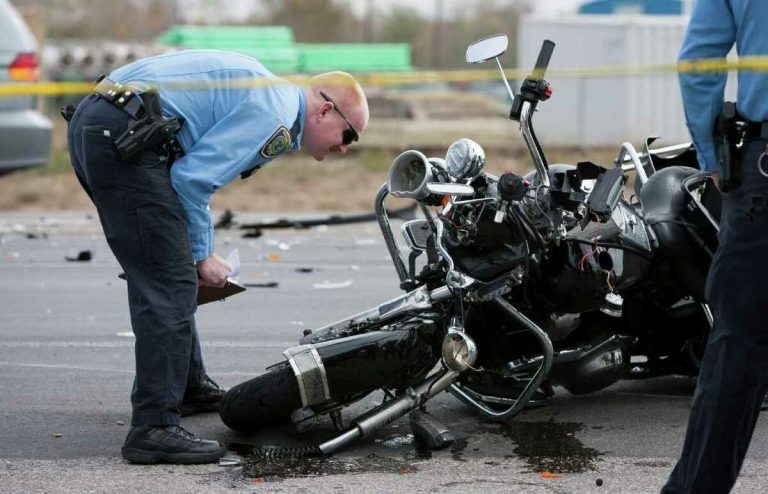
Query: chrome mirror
[487,48]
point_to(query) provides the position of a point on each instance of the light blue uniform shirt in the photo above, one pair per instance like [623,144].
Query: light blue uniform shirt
[714,27]
[229,128]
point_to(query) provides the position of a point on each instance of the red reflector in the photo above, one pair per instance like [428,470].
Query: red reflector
[548,91]
[24,67]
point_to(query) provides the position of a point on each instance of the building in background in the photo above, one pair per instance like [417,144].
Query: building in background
[600,110]
[647,7]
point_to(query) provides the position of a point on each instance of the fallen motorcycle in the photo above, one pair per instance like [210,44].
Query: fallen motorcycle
[513,285]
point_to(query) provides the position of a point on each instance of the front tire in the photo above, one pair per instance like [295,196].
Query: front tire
[263,401]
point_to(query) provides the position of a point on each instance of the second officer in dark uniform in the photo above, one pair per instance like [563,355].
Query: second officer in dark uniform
[734,373]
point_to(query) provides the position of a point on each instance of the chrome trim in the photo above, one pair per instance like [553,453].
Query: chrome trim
[627,149]
[310,374]
[390,411]
[413,302]
[530,141]
[386,231]
[708,315]
[458,391]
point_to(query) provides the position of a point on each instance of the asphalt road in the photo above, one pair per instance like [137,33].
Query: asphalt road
[66,368]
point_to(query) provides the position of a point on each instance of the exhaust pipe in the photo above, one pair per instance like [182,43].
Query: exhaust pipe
[390,411]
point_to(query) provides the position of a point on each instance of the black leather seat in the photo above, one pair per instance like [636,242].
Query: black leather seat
[663,198]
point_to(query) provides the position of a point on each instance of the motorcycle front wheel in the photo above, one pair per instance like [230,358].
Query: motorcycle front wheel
[265,400]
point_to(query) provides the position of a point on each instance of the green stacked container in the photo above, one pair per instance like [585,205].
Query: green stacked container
[355,57]
[271,45]
[274,47]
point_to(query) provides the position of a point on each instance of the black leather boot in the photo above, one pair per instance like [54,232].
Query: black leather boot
[201,399]
[150,444]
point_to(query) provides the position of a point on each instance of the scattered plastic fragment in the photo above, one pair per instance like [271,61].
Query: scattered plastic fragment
[327,285]
[120,422]
[304,270]
[354,267]
[273,257]
[405,471]
[82,256]
[229,462]
[549,475]
[57,434]
[397,441]
[599,482]
[366,241]
[257,481]
[225,220]
[283,246]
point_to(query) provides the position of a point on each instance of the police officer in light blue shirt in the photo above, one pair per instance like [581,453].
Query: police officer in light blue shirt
[152,181]
[734,372]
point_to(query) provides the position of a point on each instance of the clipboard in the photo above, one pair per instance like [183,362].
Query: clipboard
[207,294]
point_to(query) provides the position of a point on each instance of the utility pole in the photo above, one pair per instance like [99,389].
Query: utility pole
[368,22]
[437,34]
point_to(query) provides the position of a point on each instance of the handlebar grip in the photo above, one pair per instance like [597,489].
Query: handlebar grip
[542,62]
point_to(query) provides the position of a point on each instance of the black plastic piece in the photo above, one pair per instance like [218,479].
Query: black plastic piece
[429,431]
[607,192]
[511,187]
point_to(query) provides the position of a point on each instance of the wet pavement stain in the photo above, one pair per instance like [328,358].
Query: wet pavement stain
[548,446]
[256,466]
[457,449]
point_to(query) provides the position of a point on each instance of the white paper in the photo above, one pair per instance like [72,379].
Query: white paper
[234,260]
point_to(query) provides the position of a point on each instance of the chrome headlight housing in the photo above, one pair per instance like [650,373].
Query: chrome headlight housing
[465,159]
[411,172]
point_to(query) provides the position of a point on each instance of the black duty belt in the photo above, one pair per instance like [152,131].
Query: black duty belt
[755,130]
[148,127]
[120,95]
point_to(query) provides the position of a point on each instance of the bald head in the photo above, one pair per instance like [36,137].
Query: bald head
[342,104]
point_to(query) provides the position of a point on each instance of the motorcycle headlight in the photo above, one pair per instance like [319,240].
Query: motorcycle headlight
[464,159]
[411,172]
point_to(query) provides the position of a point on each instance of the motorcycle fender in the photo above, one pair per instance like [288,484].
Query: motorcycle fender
[365,362]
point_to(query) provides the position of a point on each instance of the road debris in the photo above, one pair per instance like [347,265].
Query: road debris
[82,256]
[328,285]
[226,220]
[266,284]
[304,270]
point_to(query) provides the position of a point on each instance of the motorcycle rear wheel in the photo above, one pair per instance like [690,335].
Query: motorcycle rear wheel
[265,400]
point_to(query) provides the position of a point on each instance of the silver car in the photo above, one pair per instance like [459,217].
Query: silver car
[25,134]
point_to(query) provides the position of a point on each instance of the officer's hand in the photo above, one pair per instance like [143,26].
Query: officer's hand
[213,271]
[716,179]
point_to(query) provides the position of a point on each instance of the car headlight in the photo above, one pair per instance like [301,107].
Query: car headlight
[465,159]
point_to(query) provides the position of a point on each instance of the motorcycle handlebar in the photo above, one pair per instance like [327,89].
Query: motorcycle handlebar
[542,62]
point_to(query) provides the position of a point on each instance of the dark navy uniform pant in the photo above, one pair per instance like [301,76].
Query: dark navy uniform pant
[734,373]
[145,226]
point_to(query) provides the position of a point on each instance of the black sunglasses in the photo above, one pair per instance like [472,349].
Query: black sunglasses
[349,135]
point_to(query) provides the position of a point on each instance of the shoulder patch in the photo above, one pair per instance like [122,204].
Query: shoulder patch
[277,143]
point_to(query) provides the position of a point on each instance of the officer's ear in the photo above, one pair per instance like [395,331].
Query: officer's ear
[325,107]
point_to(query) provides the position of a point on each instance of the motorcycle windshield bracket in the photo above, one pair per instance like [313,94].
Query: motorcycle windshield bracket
[310,373]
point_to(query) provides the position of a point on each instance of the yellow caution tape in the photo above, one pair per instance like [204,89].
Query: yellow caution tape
[420,77]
